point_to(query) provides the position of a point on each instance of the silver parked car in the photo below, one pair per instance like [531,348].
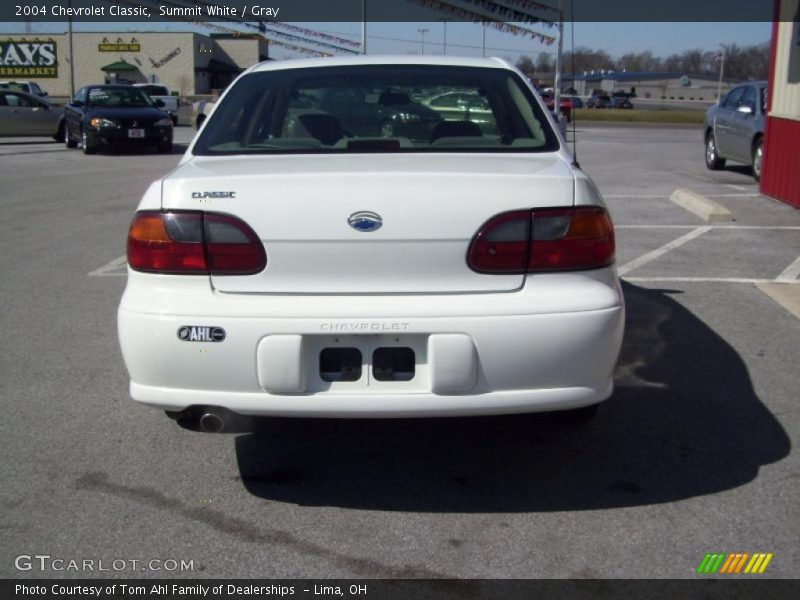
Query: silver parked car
[29,87]
[24,114]
[734,128]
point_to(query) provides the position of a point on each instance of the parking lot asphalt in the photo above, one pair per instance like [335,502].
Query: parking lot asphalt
[694,452]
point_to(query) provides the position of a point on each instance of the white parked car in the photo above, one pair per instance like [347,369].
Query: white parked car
[169,102]
[326,248]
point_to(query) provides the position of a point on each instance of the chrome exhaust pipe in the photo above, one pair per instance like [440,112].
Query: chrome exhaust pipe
[211,422]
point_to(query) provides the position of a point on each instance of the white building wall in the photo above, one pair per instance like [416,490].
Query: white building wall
[786,86]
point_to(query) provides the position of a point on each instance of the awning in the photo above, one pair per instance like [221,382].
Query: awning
[120,65]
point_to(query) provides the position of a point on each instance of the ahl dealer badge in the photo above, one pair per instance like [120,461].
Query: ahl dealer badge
[200,333]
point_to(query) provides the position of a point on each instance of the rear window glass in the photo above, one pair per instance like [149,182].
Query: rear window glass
[20,87]
[378,108]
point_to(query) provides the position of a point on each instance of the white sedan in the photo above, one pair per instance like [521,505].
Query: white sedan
[312,271]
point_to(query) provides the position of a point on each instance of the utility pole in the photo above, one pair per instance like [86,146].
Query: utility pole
[422,32]
[721,71]
[444,46]
[483,43]
[559,62]
[71,57]
[363,26]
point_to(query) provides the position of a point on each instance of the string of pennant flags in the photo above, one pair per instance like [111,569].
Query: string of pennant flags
[451,8]
[279,38]
[531,5]
[520,11]
[283,44]
[317,34]
[300,35]
[508,16]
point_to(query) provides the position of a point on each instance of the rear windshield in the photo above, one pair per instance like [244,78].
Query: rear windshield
[19,87]
[378,108]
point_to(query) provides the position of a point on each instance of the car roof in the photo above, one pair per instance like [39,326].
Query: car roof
[347,61]
[118,86]
[23,93]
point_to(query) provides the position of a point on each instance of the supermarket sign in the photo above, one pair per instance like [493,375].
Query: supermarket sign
[24,58]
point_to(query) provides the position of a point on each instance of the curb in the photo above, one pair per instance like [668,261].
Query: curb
[706,209]
[785,294]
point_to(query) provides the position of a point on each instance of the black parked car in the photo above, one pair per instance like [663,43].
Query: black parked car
[598,101]
[620,102]
[102,116]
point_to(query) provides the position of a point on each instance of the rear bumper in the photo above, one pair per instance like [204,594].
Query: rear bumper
[376,405]
[475,354]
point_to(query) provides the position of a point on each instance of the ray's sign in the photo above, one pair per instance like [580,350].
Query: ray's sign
[24,58]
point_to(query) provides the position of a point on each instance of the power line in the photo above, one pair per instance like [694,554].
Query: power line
[429,42]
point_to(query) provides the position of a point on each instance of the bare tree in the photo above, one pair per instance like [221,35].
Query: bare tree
[741,62]
[586,59]
[526,65]
[545,63]
[639,61]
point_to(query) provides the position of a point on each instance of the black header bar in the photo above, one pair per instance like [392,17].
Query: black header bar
[292,11]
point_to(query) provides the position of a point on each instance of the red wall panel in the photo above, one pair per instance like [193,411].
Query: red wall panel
[780,177]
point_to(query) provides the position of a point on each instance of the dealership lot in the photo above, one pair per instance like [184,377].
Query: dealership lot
[692,454]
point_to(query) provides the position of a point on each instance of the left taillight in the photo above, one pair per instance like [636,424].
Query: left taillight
[193,243]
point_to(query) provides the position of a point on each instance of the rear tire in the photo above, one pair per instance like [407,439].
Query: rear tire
[713,161]
[86,145]
[758,156]
[60,133]
[68,141]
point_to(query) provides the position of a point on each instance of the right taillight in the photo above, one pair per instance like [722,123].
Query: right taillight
[549,239]
[193,243]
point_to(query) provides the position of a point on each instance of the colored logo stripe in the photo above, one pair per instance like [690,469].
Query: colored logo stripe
[710,563]
[734,563]
[724,563]
[758,563]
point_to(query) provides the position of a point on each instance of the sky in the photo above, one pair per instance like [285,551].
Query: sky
[466,39]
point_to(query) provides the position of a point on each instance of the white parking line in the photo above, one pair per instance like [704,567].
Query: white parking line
[729,195]
[772,227]
[741,188]
[110,269]
[790,273]
[702,280]
[661,251]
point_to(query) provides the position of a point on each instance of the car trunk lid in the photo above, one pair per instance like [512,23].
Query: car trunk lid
[304,209]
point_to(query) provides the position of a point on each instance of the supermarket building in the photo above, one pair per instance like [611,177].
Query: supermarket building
[188,63]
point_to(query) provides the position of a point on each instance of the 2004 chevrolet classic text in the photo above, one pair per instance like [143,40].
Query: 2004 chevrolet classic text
[329,248]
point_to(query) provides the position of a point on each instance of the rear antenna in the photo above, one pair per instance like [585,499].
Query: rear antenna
[572,67]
